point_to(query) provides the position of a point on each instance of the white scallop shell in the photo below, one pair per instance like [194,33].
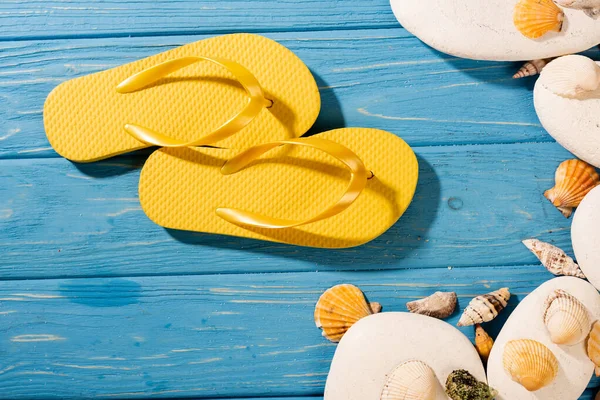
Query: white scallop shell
[411,380]
[571,76]
[566,318]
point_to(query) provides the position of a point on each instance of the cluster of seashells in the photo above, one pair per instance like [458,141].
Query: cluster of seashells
[567,320]
[341,306]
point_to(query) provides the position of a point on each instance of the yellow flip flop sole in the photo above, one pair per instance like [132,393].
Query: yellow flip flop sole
[186,189]
[85,118]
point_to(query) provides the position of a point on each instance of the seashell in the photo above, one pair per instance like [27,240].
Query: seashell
[566,318]
[339,308]
[531,68]
[483,343]
[573,180]
[461,385]
[411,380]
[572,75]
[593,346]
[534,18]
[554,259]
[484,308]
[591,8]
[438,305]
[529,363]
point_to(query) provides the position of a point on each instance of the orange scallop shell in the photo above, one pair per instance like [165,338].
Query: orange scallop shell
[534,18]
[339,308]
[573,180]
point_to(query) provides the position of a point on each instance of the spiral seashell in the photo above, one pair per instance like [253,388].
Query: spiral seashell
[483,343]
[461,385]
[531,68]
[439,305]
[573,180]
[571,76]
[593,346]
[566,318]
[484,308]
[554,259]
[530,363]
[411,380]
[339,308]
[534,18]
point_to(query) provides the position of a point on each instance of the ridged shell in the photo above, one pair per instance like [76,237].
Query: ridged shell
[571,76]
[593,346]
[573,180]
[531,68]
[554,259]
[484,308]
[339,308]
[566,318]
[483,343]
[534,18]
[529,363]
[412,380]
[438,305]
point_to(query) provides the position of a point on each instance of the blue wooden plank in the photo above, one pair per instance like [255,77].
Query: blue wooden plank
[473,206]
[201,336]
[84,18]
[384,79]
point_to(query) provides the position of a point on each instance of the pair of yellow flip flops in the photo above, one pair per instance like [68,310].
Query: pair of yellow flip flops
[252,176]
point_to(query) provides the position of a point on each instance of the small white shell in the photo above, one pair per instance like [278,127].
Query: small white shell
[566,318]
[484,308]
[554,259]
[571,76]
[411,380]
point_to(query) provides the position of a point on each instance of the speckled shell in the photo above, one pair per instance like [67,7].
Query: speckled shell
[411,380]
[529,363]
[531,68]
[438,305]
[339,308]
[571,76]
[484,308]
[593,346]
[483,343]
[566,318]
[573,180]
[554,259]
[534,18]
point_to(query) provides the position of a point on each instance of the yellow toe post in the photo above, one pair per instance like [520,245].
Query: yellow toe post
[337,189]
[251,90]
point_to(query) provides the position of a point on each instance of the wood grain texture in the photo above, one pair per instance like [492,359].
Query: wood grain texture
[472,207]
[200,336]
[384,79]
[79,18]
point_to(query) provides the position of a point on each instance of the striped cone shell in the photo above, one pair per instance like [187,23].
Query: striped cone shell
[484,308]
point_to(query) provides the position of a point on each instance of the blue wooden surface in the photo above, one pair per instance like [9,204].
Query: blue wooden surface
[96,301]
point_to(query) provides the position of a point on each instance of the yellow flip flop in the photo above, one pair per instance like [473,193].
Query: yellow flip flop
[294,191]
[230,91]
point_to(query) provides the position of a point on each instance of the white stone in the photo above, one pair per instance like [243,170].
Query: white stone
[526,322]
[484,30]
[375,345]
[585,235]
[573,122]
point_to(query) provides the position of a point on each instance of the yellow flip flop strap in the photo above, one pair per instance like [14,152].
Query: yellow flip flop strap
[149,76]
[358,181]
